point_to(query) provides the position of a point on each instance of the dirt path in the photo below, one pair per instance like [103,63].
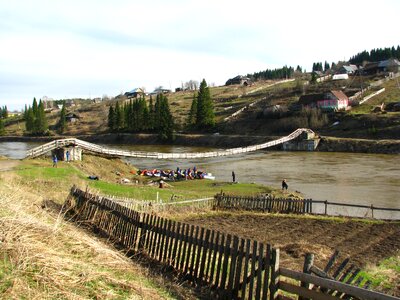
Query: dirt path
[6,165]
[365,243]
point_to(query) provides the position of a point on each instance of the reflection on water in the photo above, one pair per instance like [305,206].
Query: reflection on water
[341,177]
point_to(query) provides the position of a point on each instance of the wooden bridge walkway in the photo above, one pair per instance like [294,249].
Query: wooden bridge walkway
[57,144]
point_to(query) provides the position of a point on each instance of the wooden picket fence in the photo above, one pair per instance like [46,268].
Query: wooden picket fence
[230,266]
[233,267]
[265,203]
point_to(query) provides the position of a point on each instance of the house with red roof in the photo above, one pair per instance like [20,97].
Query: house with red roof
[334,100]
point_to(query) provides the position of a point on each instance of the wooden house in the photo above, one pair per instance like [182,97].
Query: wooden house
[135,93]
[72,117]
[331,101]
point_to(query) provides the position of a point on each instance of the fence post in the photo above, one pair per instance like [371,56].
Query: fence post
[143,220]
[372,210]
[326,207]
[274,284]
[308,262]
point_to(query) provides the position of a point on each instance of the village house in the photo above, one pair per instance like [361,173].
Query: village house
[334,100]
[72,117]
[242,80]
[385,66]
[135,93]
[350,69]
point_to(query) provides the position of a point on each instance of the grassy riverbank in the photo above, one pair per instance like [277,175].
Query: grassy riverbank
[44,256]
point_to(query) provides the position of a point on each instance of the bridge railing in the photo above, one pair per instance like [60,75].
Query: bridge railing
[158,155]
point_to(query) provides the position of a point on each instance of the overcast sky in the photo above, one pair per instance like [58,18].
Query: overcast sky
[90,48]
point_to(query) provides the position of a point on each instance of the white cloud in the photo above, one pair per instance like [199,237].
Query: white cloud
[90,48]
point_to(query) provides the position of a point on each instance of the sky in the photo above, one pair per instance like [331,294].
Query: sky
[94,48]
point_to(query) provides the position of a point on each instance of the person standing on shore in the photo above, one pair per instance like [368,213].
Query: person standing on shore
[55,161]
[233,177]
[284,185]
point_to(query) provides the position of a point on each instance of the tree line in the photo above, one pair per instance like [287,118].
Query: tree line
[3,112]
[138,116]
[375,55]
[281,73]
[35,118]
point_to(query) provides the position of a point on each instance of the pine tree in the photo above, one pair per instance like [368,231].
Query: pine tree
[34,107]
[326,66]
[111,118]
[29,120]
[2,127]
[205,117]
[119,119]
[62,123]
[193,112]
[163,118]
[41,124]
[151,114]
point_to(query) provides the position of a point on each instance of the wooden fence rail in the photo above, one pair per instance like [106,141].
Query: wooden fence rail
[321,285]
[266,203]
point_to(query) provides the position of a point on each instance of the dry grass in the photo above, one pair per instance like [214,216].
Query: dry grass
[44,257]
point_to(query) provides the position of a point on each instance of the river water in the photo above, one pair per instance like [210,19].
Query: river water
[340,177]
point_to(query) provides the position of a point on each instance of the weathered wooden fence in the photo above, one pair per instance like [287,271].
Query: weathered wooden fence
[266,203]
[233,267]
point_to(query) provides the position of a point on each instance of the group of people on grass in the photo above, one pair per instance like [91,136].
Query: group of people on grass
[178,174]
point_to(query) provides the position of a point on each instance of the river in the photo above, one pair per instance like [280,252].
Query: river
[340,177]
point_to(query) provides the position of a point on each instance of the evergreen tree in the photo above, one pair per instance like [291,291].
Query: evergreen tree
[164,121]
[62,123]
[111,118]
[193,112]
[205,117]
[151,122]
[119,120]
[326,66]
[41,124]
[2,128]
[34,107]
[29,120]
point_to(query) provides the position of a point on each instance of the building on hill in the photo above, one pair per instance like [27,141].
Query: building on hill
[137,92]
[72,117]
[391,65]
[241,80]
[350,69]
[160,90]
[334,100]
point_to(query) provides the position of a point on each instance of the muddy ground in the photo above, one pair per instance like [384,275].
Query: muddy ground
[364,242]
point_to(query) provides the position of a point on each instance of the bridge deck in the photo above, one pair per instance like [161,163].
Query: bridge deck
[43,149]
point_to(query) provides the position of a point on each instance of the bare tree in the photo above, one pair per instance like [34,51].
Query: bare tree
[191,85]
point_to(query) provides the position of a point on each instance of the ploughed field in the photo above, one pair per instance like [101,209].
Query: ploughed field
[364,242]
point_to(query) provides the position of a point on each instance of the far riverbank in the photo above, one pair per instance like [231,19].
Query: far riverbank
[327,144]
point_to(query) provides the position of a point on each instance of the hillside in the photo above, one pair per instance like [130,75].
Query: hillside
[359,122]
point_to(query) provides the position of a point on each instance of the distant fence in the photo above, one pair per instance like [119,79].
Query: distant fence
[268,203]
[233,267]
